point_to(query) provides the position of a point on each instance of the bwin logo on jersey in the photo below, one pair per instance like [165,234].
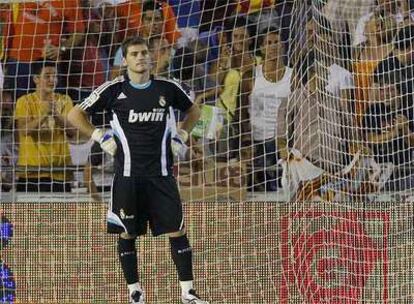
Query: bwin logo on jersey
[162,101]
[145,116]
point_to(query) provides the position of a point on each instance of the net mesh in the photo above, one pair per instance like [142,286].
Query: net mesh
[297,182]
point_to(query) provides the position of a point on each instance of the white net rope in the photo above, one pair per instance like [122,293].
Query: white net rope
[297,181]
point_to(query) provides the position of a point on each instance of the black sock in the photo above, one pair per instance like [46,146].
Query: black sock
[182,255]
[128,258]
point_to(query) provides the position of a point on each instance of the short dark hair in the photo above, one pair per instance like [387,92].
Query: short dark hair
[387,72]
[405,38]
[151,5]
[153,39]
[263,33]
[38,66]
[135,40]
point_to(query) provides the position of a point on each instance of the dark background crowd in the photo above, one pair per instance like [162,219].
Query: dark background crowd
[272,75]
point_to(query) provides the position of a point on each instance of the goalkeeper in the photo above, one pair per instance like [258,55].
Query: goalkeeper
[143,140]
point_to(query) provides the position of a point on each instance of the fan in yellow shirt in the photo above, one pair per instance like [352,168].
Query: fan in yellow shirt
[43,128]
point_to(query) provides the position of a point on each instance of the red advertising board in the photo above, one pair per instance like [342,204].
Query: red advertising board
[328,257]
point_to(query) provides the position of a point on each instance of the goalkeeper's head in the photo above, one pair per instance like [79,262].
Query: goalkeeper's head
[136,55]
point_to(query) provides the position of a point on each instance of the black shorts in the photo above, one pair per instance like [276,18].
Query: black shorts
[137,201]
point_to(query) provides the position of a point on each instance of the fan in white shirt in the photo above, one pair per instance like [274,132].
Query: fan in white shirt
[270,85]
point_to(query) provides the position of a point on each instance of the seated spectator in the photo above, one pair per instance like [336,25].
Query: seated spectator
[158,19]
[387,129]
[41,30]
[269,86]
[43,130]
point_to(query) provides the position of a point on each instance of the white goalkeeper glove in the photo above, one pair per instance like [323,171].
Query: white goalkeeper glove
[106,139]
[178,146]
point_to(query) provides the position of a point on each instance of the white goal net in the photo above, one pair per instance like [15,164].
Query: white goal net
[297,182]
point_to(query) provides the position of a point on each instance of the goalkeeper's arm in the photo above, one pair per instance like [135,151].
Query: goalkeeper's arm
[78,118]
[191,118]
[178,141]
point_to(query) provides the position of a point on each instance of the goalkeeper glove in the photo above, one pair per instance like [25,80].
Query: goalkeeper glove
[106,139]
[178,146]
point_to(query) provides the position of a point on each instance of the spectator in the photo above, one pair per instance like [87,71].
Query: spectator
[379,32]
[119,19]
[158,19]
[270,85]
[160,50]
[43,130]
[41,29]
[234,96]
[311,126]
[387,129]
[88,64]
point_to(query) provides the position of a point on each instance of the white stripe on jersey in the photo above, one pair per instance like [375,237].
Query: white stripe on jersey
[182,224]
[111,217]
[191,98]
[169,125]
[119,132]
[91,99]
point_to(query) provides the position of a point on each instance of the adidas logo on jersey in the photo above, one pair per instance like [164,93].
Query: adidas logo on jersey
[121,96]
[155,115]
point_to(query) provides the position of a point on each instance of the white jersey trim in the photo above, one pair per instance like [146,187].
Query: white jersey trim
[111,217]
[169,127]
[119,132]
[96,94]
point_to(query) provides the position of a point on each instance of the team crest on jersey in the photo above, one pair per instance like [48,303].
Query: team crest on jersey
[162,101]
[124,216]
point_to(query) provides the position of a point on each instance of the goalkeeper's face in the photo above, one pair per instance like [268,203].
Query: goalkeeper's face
[138,59]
